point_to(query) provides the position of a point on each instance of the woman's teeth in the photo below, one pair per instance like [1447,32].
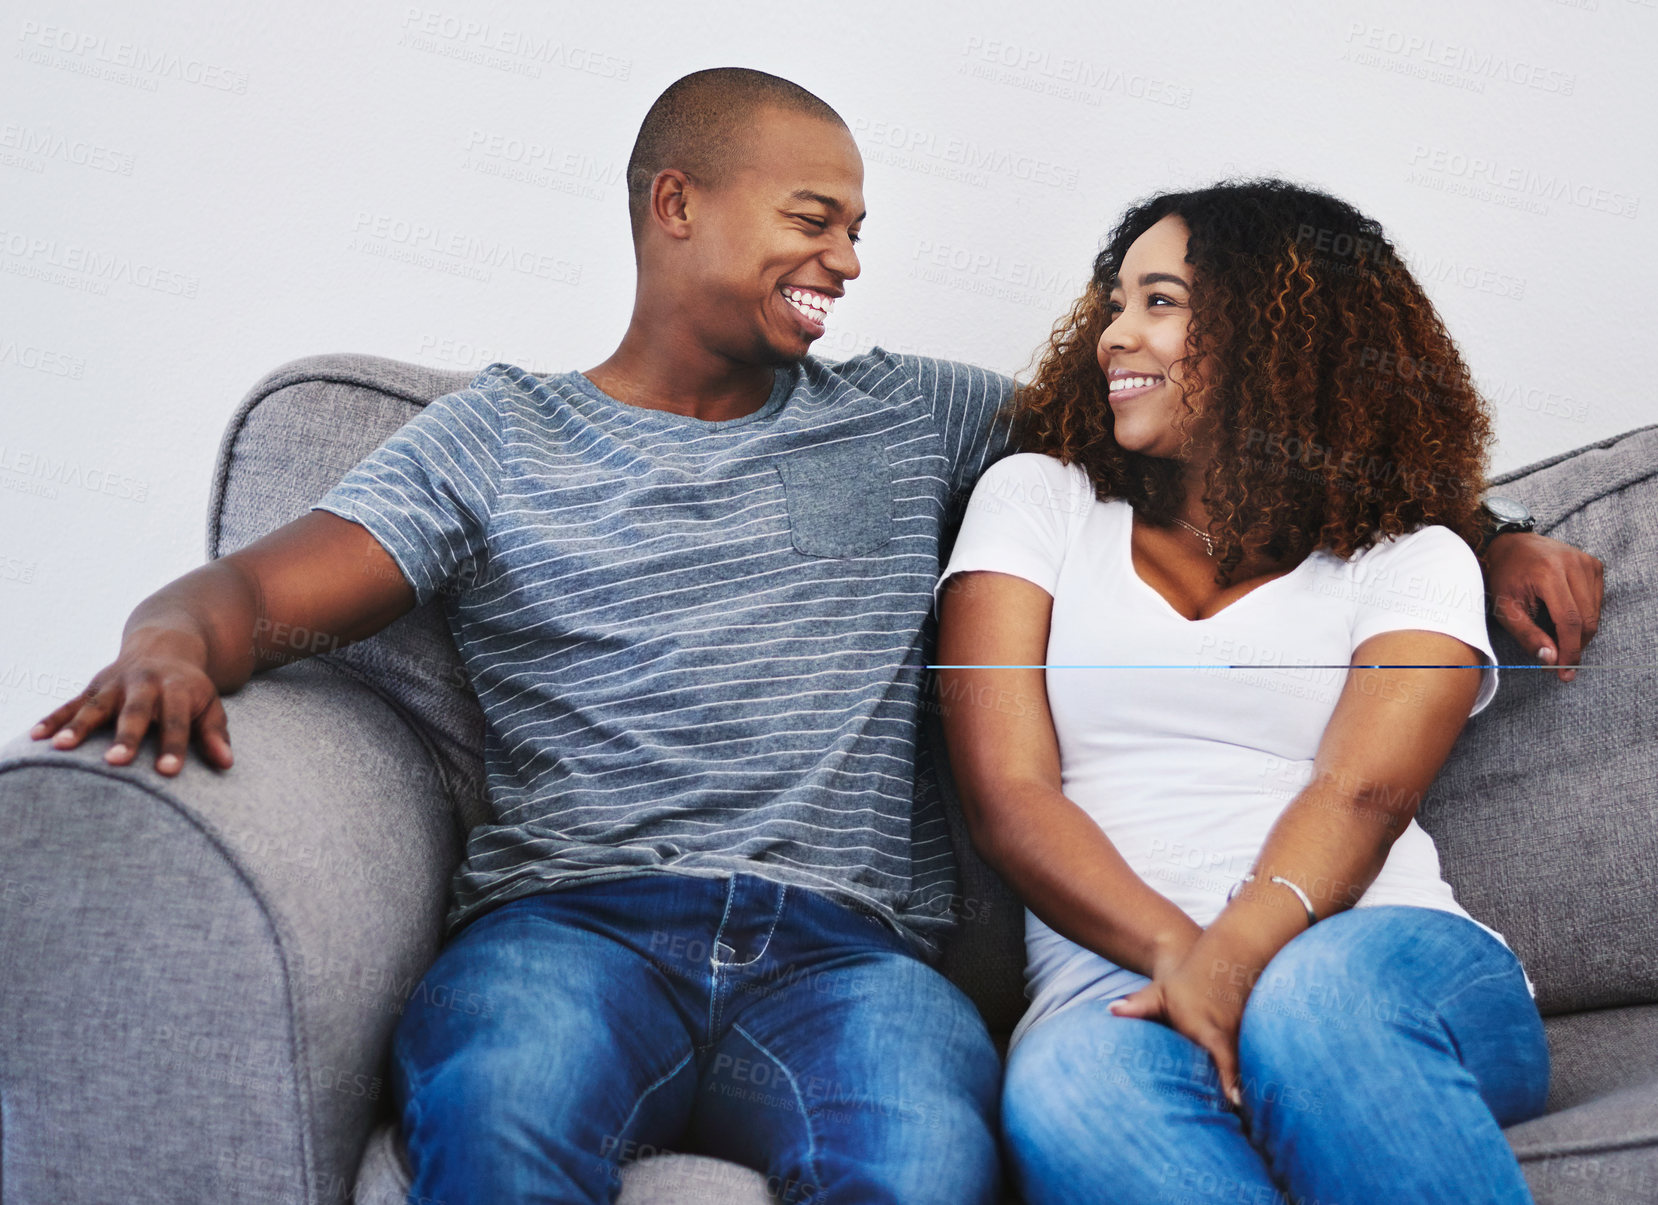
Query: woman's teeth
[1120,383]
[815,306]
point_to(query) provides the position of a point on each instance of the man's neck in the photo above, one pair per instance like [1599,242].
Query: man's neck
[663,367]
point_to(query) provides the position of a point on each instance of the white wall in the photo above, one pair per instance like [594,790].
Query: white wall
[189,197]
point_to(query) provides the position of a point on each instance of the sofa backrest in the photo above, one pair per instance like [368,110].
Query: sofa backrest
[296,433]
[1546,813]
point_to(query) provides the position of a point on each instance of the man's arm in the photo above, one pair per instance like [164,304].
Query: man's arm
[1525,571]
[317,584]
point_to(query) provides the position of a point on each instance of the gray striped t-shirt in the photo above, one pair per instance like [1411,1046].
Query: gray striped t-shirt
[697,645]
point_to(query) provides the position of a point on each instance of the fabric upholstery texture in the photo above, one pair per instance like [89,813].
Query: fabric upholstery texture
[202,973]
[1544,813]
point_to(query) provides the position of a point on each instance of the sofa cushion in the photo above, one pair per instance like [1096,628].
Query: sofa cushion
[1598,1142]
[1544,813]
[383,1178]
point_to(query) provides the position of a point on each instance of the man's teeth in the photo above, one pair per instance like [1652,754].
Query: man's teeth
[1118,383]
[815,306]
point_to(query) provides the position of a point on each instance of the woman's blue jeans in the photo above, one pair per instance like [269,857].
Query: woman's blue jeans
[1382,1052]
[564,1034]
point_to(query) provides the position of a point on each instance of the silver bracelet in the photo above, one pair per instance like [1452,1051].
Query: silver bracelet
[1312,917]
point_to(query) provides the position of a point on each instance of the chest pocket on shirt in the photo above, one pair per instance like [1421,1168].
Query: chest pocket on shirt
[839,498]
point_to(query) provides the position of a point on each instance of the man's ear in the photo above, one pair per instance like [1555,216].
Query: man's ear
[670,203]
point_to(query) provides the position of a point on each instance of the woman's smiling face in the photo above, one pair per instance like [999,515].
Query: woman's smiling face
[1140,350]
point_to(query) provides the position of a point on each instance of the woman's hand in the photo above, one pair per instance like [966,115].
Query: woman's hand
[1202,997]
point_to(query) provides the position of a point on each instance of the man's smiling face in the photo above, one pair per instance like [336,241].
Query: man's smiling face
[773,244]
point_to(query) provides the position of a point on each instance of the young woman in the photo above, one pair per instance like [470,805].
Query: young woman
[1234,626]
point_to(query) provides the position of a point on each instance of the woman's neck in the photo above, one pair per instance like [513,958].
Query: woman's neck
[1191,509]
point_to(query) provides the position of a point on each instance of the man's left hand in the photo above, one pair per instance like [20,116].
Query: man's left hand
[1524,569]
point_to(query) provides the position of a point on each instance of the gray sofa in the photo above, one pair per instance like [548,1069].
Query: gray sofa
[201,975]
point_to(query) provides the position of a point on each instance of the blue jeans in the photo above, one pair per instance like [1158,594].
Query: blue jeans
[1382,1052]
[564,1034]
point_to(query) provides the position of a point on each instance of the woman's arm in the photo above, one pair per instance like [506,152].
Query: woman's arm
[1390,732]
[1005,759]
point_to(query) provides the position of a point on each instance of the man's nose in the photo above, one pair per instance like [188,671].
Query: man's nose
[842,260]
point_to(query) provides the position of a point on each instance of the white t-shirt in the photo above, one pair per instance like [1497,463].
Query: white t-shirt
[1187,768]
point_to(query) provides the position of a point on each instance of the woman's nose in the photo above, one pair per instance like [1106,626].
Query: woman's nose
[1117,336]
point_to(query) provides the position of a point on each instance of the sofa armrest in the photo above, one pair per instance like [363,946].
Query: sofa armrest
[200,975]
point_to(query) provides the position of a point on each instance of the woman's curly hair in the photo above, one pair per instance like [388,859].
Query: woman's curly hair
[1341,409]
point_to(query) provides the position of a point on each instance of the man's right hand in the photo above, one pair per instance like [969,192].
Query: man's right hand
[318,582]
[160,677]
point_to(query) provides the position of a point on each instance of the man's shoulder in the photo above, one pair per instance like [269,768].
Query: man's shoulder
[502,389]
[501,377]
[884,373]
[877,372]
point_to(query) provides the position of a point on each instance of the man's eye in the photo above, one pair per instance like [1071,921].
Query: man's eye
[815,223]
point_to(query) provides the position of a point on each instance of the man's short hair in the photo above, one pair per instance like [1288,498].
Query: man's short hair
[697,123]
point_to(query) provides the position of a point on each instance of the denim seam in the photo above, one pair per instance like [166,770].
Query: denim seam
[637,1104]
[805,1114]
[1442,1004]
[725,916]
[714,1009]
[1548,1059]
[408,1125]
[765,944]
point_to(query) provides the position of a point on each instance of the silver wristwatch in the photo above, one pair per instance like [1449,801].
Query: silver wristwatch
[1504,515]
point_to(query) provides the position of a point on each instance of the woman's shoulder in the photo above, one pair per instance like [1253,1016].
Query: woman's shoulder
[1034,476]
[1429,544]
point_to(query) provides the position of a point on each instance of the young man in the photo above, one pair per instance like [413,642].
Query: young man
[698,584]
